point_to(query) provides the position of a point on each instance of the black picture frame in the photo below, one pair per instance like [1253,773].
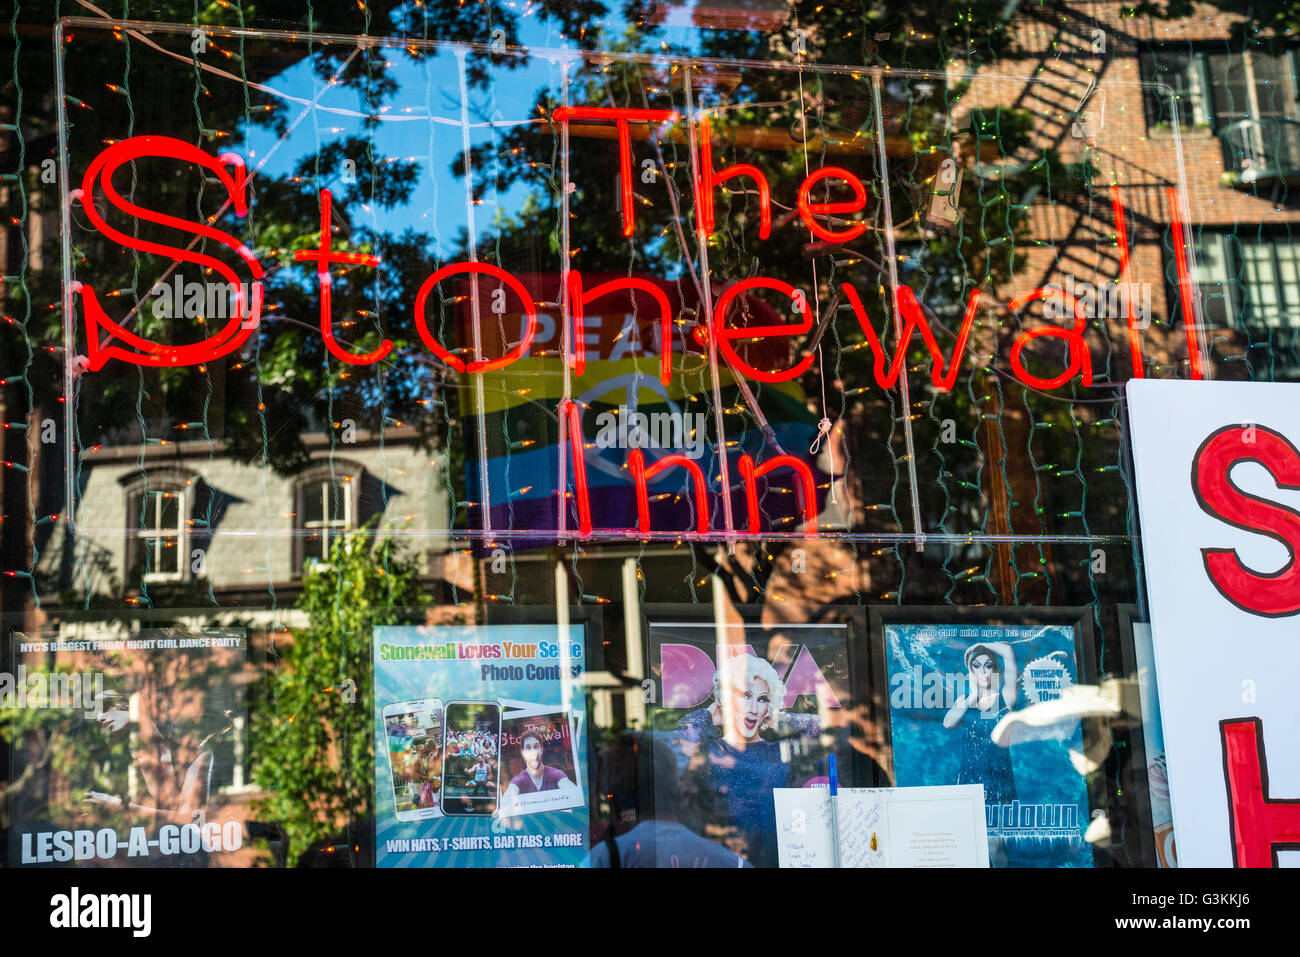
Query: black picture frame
[1128,615]
[1079,618]
[854,767]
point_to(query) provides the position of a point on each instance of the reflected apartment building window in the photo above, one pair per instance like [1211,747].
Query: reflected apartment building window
[158,515]
[326,508]
[1248,99]
[1249,280]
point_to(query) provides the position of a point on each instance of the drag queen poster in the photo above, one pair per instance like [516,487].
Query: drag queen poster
[757,710]
[960,700]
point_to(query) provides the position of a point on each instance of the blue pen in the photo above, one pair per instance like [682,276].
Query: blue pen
[835,830]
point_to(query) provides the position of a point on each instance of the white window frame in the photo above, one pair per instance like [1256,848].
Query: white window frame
[1235,287]
[318,483]
[152,539]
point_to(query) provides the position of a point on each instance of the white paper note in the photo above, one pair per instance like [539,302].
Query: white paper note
[938,831]
[883,827]
[803,827]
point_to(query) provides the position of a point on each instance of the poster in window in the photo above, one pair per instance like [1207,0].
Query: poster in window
[743,709]
[965,700]
[129,749]
[480,733]
[1152,773]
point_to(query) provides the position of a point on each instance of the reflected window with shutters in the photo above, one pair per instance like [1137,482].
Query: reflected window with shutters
[158,516]
[326,510]
[326,507]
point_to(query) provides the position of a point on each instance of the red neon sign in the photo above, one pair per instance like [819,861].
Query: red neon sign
[323,257]
[708,179]
[578,300]
[1121,237]
[104,334]
[642,476]
[621,118]
[914,319]
[807,488]
[483,269]
[1080,357]
[100,329]
[573,421]
[725,334]
[807,210]
[1185,287]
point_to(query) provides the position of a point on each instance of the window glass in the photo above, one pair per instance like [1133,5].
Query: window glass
[1253,281]
[1230,88]
[1182,74]
[1217,285]
[524,435]
[156,545]
[327,510]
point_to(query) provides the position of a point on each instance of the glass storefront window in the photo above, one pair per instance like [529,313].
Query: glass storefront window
[476,436]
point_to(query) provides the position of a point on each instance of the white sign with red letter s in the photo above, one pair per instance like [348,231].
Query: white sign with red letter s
[1218,486]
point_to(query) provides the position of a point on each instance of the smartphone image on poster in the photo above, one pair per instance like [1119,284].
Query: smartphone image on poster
[413,732]
[472,757]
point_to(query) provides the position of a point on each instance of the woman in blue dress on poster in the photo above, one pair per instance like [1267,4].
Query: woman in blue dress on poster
[991,677]
[739,738]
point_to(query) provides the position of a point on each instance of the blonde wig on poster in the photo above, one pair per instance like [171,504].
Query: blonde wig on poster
[738,672]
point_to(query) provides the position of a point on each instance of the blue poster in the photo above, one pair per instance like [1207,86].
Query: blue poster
[480,742]
[959,697]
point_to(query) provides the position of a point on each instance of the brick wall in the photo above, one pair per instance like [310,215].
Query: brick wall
[1075,238]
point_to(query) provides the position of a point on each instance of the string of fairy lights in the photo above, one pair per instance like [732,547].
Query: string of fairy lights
[21,304]
[1071,452]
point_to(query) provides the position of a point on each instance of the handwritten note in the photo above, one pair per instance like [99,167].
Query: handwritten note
[803,827]
[861,816]
[939,830]
[882,827]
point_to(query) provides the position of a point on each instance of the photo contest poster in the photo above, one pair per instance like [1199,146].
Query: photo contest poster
[951,687]
[129,749]
[480,744]
[742,710]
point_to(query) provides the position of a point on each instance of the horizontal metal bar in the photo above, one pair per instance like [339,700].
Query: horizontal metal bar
[543,53]
[623,536]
